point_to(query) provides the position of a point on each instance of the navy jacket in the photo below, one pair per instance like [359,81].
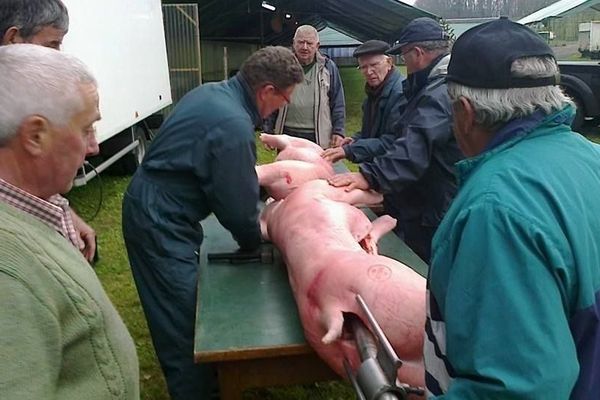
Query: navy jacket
[378,127]
[416,173]
[201,162]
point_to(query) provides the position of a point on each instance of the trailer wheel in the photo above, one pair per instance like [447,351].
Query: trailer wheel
[142,136]
[127,164]
[130,162]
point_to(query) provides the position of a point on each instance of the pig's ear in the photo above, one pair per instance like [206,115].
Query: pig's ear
[334,322]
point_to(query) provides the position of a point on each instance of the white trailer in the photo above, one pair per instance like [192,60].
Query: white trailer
[589,39]
[123,43]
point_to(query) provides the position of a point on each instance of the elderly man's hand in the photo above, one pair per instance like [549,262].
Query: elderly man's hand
[351,180]
[87,237]
[337,140]
[334,154]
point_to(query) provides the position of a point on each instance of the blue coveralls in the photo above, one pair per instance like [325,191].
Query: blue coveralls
[201,162]
[381,115]
[416,174]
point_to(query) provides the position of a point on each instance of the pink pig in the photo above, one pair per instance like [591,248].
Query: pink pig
[298,161]
[329,247]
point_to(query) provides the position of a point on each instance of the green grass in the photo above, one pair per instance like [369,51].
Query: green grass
[113,270]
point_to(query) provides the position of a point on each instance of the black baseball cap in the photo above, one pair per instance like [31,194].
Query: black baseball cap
[371,47]
[483,55]
[422,29]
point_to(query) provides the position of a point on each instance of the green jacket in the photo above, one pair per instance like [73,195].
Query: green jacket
[515,270]
[60,336]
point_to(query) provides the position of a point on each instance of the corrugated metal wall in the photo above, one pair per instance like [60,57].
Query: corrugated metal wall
[183,48]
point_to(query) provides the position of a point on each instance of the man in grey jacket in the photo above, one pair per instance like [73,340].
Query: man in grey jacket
[317,110]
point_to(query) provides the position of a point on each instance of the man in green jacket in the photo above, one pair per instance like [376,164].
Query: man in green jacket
[60,336]
[45,23]
[201,162]
[514,283]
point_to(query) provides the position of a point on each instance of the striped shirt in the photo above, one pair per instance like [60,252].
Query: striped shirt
[54,212]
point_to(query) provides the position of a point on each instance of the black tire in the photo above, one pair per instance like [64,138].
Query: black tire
[126,165]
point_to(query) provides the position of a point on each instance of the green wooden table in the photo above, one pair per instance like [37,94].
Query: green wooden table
[247,322]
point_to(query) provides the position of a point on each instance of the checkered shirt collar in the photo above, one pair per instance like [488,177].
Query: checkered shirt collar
[54,212]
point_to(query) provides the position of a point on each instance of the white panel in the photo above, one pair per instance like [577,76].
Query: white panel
[123,43]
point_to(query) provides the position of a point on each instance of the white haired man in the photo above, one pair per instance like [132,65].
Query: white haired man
[382,108]
[317,110]
[45,23]
[513,286]
[60,336]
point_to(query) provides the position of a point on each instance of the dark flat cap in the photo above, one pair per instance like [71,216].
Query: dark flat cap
[371,47]
[422,29]
[495,45]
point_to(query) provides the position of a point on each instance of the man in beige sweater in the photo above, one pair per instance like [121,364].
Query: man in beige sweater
[60,336]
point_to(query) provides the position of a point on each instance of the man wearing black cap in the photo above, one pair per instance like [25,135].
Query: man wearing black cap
[381,109]
[514,299]
[416,173]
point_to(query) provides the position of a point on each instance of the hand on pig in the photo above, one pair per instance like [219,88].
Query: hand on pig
[349,180]
[334,154]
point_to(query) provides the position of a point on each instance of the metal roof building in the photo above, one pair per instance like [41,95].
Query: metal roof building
[275,21]
[561,8]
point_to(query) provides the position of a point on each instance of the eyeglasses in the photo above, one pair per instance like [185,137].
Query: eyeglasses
[404,53]
[282,94]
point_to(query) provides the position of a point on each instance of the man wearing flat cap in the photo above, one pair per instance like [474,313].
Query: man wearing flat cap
[381,109]
[416,173]
[513,286]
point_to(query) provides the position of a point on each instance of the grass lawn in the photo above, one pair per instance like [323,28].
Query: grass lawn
[113,269]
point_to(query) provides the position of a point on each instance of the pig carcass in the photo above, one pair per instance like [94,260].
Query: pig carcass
[298,161]
[329,247]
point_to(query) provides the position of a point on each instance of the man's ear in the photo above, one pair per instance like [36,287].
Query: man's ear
[12,36]
[34,134]
[466,121]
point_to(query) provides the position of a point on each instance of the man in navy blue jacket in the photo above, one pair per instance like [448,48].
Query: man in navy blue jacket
[381,109]
[201,162]
[416,173]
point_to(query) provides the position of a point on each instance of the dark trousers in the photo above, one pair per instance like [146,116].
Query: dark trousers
[417,237]
[167,288]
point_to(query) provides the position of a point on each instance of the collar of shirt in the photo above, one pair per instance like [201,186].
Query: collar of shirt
[54,212]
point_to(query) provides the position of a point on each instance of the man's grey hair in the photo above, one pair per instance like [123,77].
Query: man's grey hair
[493,107]
[307,30]
[31,16]
[273,64]
[437,47]
[37,80]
